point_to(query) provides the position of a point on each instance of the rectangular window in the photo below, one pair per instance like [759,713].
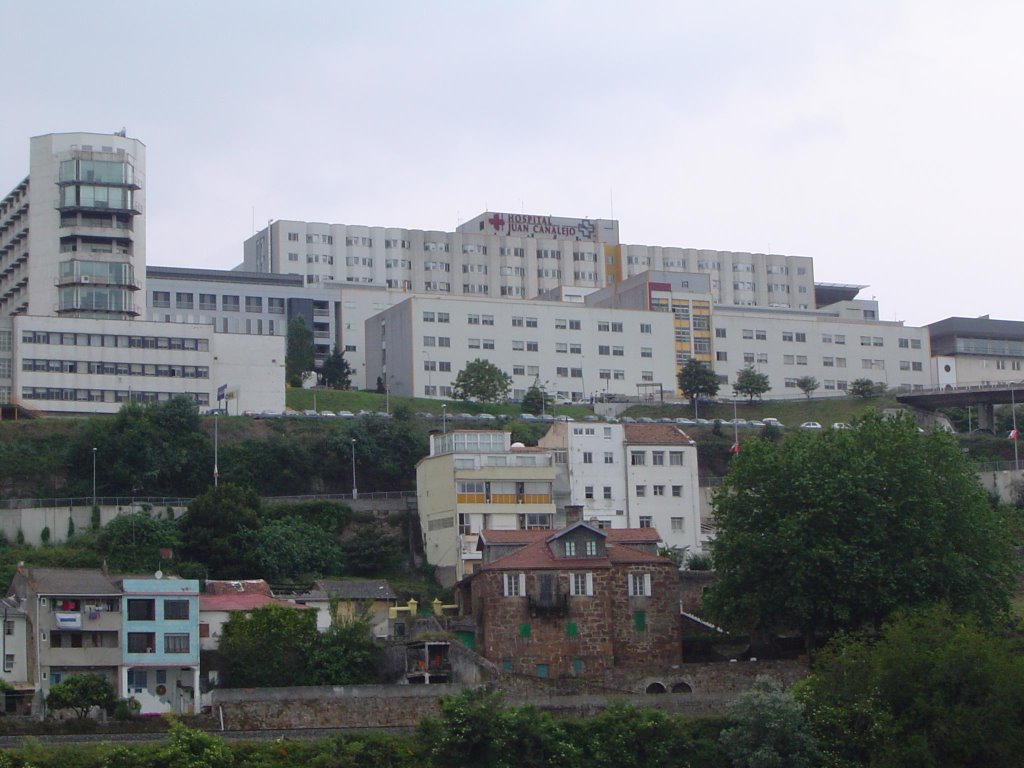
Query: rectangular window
[176,643]
[8,662]
[141,610]
[609,457]
[639,585]
[677,490]
[581,584]
[646,521]
[659,490]
[607,492]
[141,642]
[675,458]
[176,610]
[637,458]
[515,584]
[570,546]
[588,492]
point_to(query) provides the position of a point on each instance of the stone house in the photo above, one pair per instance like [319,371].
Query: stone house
[575,602]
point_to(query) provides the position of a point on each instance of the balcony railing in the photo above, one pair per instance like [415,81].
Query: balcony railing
[548,604]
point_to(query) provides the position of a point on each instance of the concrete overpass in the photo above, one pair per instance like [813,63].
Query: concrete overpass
[980,396]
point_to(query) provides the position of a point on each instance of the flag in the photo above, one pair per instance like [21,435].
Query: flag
[735,448]
[1014,434]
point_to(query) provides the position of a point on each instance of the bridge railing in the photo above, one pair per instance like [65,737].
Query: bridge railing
[161,502]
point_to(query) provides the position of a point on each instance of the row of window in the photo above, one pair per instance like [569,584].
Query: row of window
[208,302]
[580,584]
[138,642]
[641,491]
[114,340]
[112,369]
[107,395]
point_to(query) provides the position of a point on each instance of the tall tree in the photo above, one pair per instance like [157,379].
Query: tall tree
[275,633]
[751,383]
[336,372]
[211,529]
[535,401]
[767,729]
[865,389]
[81,693]
[807,385]
[836,530]
[934,689]
[299,356]
[697,379]
[482,380]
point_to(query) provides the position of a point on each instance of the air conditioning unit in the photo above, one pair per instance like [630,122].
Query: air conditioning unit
[85,278]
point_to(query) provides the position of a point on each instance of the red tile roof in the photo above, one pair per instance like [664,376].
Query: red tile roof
[538,556]
[614,535]
[655,434]
[241,601]
[237,586]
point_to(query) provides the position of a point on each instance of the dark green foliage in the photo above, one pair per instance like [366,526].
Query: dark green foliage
[81,693]
[373,549]
[836,530]
[44,535]
[767,729]
[807,385]
[275,632]
[344,655]
[483,381]
[865,389]
[132,542]
[750,383]
[697,379]
[536,401]
[335,372]
[331,516]
[211,527]
[299,356]
[71,528]
[934,690]
[386,453]
[150,450]
[277,466]
[288,548]
[94,518]
[699,562]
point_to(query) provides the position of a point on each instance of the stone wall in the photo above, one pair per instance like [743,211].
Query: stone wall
[594,633]
[702,689]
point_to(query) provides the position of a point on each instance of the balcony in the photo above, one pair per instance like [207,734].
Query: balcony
[86,656]
[547,603]
[88,621]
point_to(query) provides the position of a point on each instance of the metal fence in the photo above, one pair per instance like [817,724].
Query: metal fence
[161,502]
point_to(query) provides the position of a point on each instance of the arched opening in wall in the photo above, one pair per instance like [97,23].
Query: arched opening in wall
[682,688]
[655,688]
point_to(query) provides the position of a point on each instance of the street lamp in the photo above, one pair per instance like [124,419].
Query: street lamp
[444,418]
[355,493]
[94,477]
[216,445]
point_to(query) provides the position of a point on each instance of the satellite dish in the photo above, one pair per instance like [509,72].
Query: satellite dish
[159,574]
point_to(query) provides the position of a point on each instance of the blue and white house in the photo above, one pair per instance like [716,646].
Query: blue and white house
[160,666]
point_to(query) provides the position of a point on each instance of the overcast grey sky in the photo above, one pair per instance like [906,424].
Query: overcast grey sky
[881,138]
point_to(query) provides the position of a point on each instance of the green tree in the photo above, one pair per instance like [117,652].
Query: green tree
[346,654]
[536,401]
[132,542]
[277,633]
[371,550]
[386,453]
[336,372]
[697,379]
[192,748]
[750,383]
[807,385]
[837,530]
[152,449]
[211,529]
[299,356]
[767,729]
[483,381]
[81,693]
[288,548]
[865,389]
[935,689]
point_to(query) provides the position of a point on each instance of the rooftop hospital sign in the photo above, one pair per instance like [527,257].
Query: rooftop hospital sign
[526,225]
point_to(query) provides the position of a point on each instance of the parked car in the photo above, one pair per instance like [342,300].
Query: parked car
[346,415]
[327,415]
[628,420]
[486,417]
[769,421]
[644,420]
[310,413]
[591,417]
[528,417]
[756,423]
[840,425]
[810,425]
[685,422]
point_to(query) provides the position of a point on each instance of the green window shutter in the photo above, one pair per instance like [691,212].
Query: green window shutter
[542,670]
[571,630]
[524,630]
[506,665]
[639,620]
[577,666]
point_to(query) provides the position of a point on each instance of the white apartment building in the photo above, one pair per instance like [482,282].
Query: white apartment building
[518,256]
[575,352]
[73,292]
[475,480]
[630,476]
[832,345]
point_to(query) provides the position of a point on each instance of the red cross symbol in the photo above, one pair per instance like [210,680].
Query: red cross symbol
[496,221]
